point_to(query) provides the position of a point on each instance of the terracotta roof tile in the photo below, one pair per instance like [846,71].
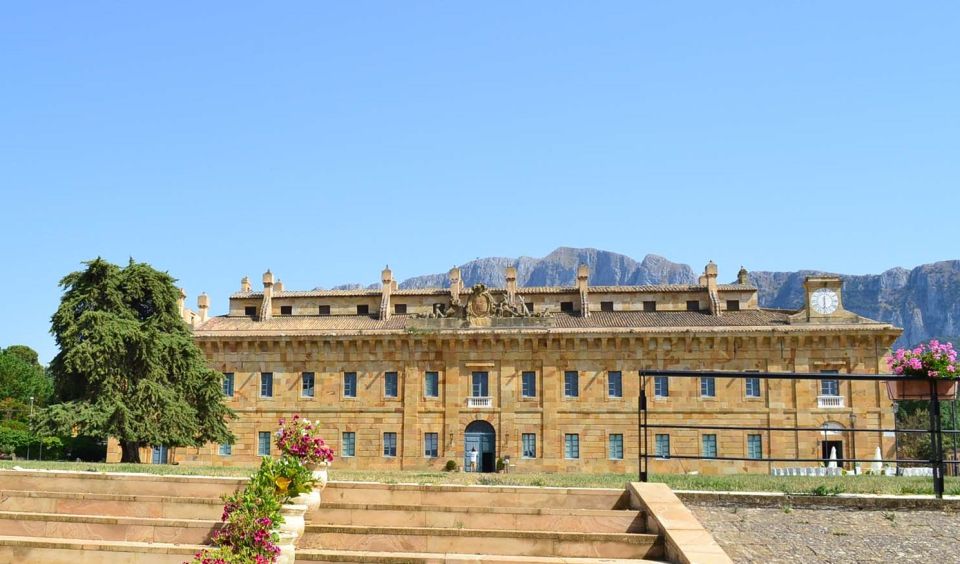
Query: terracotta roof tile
[521,290]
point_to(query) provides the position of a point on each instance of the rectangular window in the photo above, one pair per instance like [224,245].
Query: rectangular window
[663,446]
[754,447]
[323,310]
[349,384]
[733,305]
[753,387]
[307,381]
[430,445]
[250,311]
[349,444]
[228,384]
[829,387]
[226,449]
[266,385]
[286,310]
[650,305]
[708,444]
[529,306]
[616,447]
[399,309]
[661,386]
[389,444]
[390,384]
[614,384]
[606,306]
[529,445]
[571,446]
[566,307]
[708,387]
[571,384]
[693,305]
[363,310]
[529,384]
[479,388]
[263,443]
[431,384]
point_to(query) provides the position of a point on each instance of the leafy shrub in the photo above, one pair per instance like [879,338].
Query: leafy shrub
[500,465]
[450,466]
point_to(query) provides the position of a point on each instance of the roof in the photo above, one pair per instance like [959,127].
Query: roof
[360,292]
[598,321]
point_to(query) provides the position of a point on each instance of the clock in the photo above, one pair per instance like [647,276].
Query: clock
[824,301]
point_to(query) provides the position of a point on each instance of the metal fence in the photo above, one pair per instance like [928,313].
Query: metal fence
[648,411]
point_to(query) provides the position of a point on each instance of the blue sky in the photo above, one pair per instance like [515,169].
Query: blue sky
[215,140]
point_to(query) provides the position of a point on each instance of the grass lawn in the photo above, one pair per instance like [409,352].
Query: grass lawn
[739,482]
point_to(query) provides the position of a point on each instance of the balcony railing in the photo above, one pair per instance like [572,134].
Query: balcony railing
[829,402]
[477,402]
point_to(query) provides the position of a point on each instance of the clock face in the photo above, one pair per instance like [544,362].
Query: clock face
[824,301]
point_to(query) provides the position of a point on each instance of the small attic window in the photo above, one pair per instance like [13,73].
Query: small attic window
[649,305]
[566,307]
[606,306]
[693,305]
[323,310]
[399,309]
[733,305]
[250,311]
[286,310]
[529,306]
[363,310]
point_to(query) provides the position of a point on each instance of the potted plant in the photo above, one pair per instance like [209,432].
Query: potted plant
[289,479]
[299,439]
[935,361]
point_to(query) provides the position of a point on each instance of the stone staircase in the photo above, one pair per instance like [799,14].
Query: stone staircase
[76,518]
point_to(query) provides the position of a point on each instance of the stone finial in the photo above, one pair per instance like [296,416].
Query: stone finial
[203,304]
[245,284]
[181,300]
[743,276]
[267,278]
[710,269]
[511,278]
[386,276]
[456,285]
[278,287]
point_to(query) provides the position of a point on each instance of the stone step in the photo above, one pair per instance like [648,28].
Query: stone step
[168,507]
[105,528]
[119,483]
[481,517]
[482,541]
[323,555]
[33,550]
[475,496]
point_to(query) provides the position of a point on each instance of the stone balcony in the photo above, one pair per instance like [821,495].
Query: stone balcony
[479,402]
[830,402]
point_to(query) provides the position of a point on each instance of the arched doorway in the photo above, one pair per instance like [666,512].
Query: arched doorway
[832,440]
[480,435]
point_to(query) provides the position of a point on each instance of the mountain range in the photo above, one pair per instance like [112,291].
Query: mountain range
[924,301]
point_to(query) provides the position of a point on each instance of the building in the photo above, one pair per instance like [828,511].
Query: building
[547,376]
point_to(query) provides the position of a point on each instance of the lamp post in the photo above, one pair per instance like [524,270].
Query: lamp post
[30,442]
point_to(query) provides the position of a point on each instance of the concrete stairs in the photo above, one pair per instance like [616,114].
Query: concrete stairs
[75,518]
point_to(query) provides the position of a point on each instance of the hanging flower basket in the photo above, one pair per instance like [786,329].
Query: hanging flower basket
[920,389]
[934,361]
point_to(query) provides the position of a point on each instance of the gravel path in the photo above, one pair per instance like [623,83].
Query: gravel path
[832,535]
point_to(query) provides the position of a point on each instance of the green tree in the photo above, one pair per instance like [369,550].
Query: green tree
[22,377]
[128,366]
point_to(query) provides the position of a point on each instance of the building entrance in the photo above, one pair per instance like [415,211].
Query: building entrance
[481,436]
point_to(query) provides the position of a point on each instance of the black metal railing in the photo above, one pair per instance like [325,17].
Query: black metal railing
[935,430]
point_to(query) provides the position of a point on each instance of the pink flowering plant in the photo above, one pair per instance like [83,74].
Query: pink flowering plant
[299,438]
[933,360]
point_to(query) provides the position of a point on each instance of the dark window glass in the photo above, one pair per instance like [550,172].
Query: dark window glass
[226,449]
[733,305]
[606,306]
[571,446]
[363,310]
[389,444]
[753,387]
[708,387]
[307,384]
[616,447]
[349,444]
[390,384]
[430,445]
[479,387]
[709,446]
[571,384]
[649,306]
[566,307]
[661,386]
[266,385]
[529,384]
[399,308]
[754,447]
[323,310]
[349,384]
[263,443]
[431,385]
[529,445]
[529,306]
[614,384]
[663,446]
[228,384]
[286,310]
[250,311]
[829,387]
[693,305]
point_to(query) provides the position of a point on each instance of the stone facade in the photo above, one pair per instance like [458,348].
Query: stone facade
[594,332]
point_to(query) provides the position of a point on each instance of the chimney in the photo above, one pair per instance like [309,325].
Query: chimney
[203,303]
[456,285]
[511,277]
[386,288]
[266,307]
[245,285]
[583,275]
[743,277]
[713,296]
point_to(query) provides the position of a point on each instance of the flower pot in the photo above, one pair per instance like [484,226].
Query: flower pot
[319,470]
[311,499]
[287,547]
[293,521]
[920,389]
